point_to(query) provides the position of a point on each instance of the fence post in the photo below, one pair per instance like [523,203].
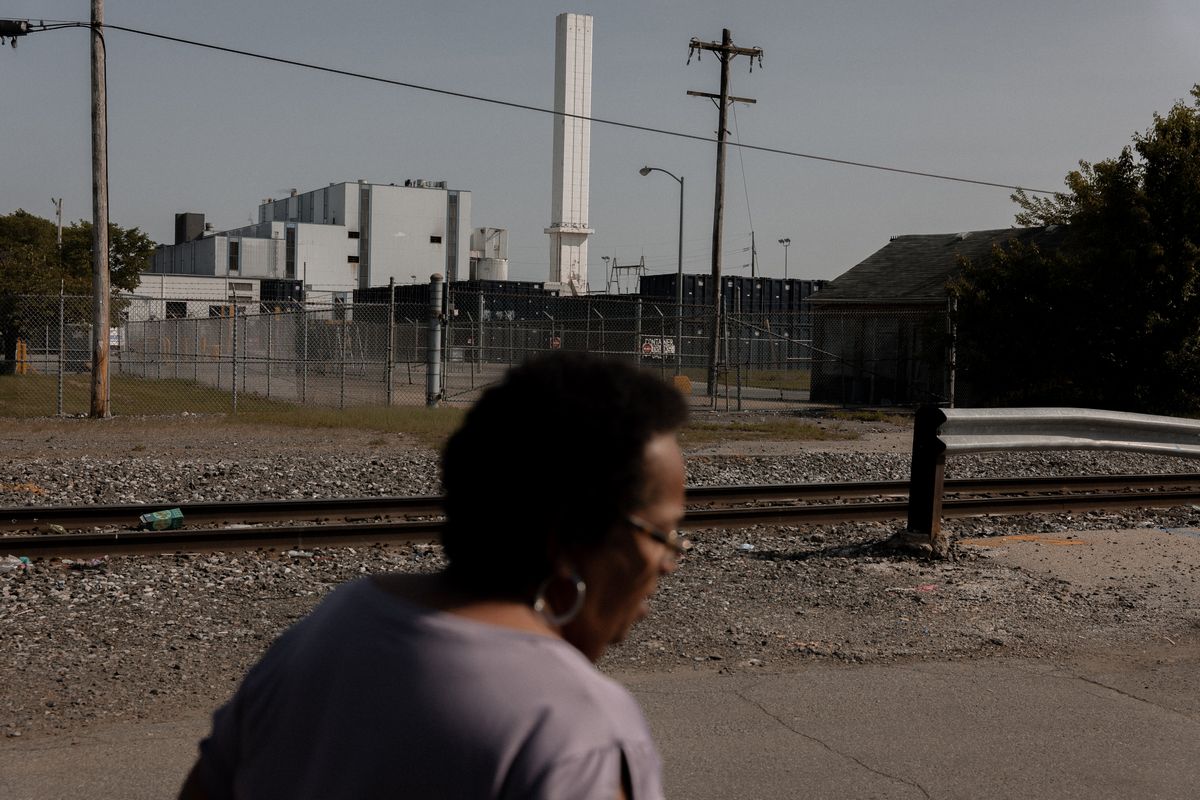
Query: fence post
[61,346]
[196,351]
[233,343]
[343,334]
[724,342]
[479,341]
[952,331]
[468,355]
[637,327]
[304,355]
[927,476]
[737,352]
[416,353]
[662,343]
[433,354]
[219,357]
[144,372]
[391,334]
[737,356]
[270,342]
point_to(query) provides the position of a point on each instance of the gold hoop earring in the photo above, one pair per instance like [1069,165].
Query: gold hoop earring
[542,606]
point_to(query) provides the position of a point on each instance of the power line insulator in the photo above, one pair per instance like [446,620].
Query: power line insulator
[14,27]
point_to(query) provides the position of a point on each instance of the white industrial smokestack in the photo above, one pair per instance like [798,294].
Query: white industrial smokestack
[569,229]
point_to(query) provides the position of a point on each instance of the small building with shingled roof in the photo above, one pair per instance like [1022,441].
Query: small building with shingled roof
[882,330]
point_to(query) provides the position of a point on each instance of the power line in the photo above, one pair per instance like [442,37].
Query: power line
[541,110]
[737,132]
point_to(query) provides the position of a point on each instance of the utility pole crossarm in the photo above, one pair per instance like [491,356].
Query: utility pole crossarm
[731,98]
[725,49]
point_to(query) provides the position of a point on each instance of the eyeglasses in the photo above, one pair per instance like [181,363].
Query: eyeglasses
[670,539]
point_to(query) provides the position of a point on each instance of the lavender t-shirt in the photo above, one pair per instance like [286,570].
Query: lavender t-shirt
[371,696]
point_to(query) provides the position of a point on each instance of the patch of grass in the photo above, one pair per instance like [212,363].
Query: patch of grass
[429,426]
[871,415]
[705,431]
[29,396]
[37,396]
[793,379]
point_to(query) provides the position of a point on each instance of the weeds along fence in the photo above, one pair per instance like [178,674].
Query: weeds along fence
[206,356]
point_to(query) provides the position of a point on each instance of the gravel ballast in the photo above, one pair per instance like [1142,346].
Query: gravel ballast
[126,638]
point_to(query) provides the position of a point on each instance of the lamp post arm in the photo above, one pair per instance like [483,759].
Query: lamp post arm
[646,170]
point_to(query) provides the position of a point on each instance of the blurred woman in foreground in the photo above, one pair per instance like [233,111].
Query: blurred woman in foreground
[564,487]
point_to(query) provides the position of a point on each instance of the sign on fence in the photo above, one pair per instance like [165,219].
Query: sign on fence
[658,346]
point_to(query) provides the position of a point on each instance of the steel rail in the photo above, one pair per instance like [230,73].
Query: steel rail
[350,509]
[344,534]
[343,508]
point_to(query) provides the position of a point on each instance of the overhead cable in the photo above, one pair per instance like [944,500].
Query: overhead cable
[542,110]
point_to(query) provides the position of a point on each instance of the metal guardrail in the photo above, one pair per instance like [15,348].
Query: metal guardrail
[977,430]
[939,432]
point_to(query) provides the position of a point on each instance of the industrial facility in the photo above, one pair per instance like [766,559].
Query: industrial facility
[351,249]
[336,240]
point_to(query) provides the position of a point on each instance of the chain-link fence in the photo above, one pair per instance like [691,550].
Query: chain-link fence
[169,356]
[882,355]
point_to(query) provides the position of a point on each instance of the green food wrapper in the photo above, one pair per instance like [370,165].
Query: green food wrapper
[167,520]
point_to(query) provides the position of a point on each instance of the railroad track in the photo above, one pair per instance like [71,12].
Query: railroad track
[411,519]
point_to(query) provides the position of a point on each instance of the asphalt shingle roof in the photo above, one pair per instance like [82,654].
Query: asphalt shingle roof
[915,268]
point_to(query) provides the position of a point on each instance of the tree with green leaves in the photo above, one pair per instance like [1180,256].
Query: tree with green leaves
[1109,316]
[33,268]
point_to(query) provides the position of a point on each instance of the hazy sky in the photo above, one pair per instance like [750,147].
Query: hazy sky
[1014,92]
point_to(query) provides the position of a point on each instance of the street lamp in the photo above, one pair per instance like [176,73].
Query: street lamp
[785,243]
[679,270]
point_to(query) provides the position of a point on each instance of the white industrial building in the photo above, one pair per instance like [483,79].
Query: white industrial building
[167,296]
[340,238]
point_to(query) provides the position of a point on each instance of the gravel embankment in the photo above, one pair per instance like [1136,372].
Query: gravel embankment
[153,637]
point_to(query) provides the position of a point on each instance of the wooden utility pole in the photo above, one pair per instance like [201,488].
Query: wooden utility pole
[726,52]
[100,277]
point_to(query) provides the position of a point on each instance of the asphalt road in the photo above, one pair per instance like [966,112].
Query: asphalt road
[997,729]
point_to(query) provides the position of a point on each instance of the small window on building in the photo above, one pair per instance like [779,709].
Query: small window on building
[435,240]
[176,309]
[234,260]
[351,259]
[352,234]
